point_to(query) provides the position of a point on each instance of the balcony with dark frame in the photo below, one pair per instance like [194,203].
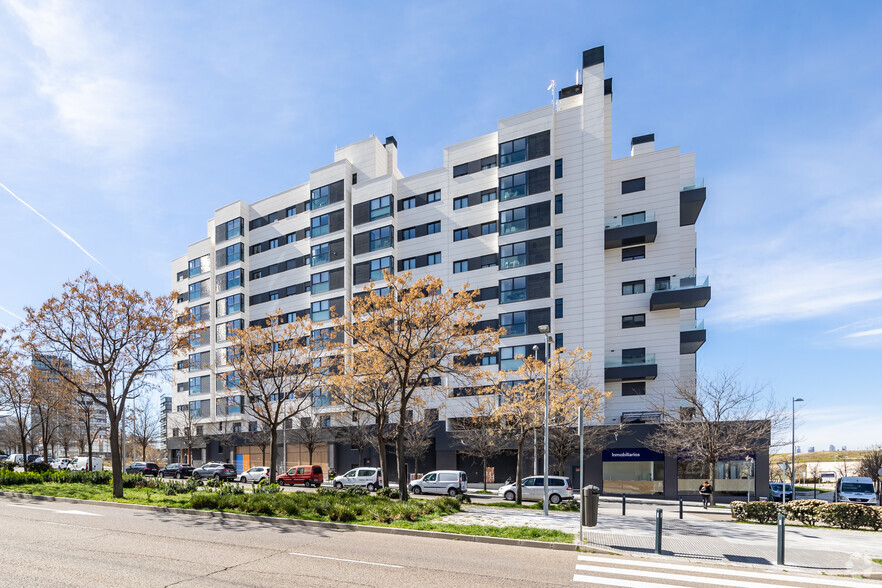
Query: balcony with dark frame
[683,292]
[692,336]
[630,229]
[692,199]
[635,367]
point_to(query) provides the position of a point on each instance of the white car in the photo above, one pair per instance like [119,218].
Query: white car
[450,482]
[255,475]
[533,488]
[370,478]
[61,463]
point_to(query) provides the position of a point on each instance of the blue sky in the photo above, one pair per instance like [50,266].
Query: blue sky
[126,124]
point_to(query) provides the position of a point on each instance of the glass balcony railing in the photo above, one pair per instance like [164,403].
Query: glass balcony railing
[645,359]
[691,325]
[320,258]
[694,184]
[513,261]
[627,220]
[681,283]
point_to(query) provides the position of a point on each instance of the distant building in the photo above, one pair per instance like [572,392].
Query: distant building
[811,449]
[165,408]
[832,448]
[844,448]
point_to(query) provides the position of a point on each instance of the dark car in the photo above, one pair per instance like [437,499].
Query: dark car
[147,468]
[176,470]
[218,471]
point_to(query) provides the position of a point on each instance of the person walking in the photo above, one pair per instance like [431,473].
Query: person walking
[705,490]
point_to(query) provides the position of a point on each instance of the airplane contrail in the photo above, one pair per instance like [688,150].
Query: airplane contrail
[9,312]
[63,234]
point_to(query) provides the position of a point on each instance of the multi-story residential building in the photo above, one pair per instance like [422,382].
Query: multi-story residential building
[536,214]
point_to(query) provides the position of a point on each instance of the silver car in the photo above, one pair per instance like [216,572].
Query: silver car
[255,475]
[370,478]
[533,488]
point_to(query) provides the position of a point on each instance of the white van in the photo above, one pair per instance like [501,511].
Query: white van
[451,482]
[853,489]
[82,464]
[370,478]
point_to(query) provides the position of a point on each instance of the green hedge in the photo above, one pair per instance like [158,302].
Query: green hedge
[845,515]
[11,478]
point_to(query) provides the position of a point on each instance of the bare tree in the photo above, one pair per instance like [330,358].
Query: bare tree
[711,419]
[311,433]
[185,422]
[360,435]
[16,394]
[417,436]
[226,437]
[144,425]
[480,435]
[261,438]
[871,464]
[88,416]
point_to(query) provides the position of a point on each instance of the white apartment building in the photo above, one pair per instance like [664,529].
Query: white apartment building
[536,214]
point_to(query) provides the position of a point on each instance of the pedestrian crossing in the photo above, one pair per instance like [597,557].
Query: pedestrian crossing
[643,573]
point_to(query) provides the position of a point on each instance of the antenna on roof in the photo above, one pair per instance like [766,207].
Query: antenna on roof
[578,72]
[551,88]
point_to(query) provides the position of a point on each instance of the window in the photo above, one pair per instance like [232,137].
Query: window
[629,321]
[230,279]
[558,168]
[320,197]
[633,388]
[636,287]
[511,358]
[433,259]
[198,290]
[635,218]
[513,186]
[408,203]
[632,253]
[461,202]
[460,266]
[558,340]
[491,359]
[229,230]
[381,238]
[381,207]
[407,234]
[433,197]
[433,228]
[320,282]
[225,330]
[197,266]
[513,221]
[199,385]
[558,273]
[354,179]
[514,323]
[320,254]
[635,185]
[195,408]
[488,228]
[513,255]
[558,204]
[230,305]
[378,265]
[662,284]
[200,313]
[321,310]
[460,234]
[558,308]
[513,290]
[558,238]
[488,196]
[634,356]
[408,264]
[231,254]
[460,170]
[512,152]
[320,225]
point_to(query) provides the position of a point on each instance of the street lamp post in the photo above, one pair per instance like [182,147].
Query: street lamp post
[545,331]
[749,460]
[792,449]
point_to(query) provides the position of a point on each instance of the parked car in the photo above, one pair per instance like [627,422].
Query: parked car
[16,458]
[370,478]
[82,464]
[176,470]
[450,482]
[60,463]
[533,488]
[776,490]
[4,457]
[148,468]
[308,475]
[854,489]
[218,471]
[255,475]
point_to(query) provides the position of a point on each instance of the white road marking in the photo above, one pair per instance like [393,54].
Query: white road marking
[623,583]
[724,572]
[56,510]
[367,563]
[69,525]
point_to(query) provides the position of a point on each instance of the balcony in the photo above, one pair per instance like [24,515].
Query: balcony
[691,200]
[692,336]
[685,292]
[641,367]
[630,229]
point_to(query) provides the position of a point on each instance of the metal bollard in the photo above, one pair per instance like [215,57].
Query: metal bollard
[780,540]
[658,530]
[681,507]
[623,505]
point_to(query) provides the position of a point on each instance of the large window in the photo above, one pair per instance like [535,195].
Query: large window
[199,385]
[633,388]
[381,238]
[460,266]
[513,186]
[321,310]
[512,152]
[320,282]
[409,263]
[514,323]
[488,228]
[198,290]
[460,234]
[633,253]
[408,234]
[513,221]
[635,218]
[229,230]
[320,225]
[433,259]
[630,321]
[433,228]
[635,287]
[230,304]
[511,358]
[461,202]
[198,266]
[224,331]
[320,254]
[408,203]
[381,207]
[513,255]
[230,254]
[513,290]
[378,265]
[230,279]
[200,313]
[635,185]
[433,197]
[320,197]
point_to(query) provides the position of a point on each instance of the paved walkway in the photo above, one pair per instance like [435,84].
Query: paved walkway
[707,536]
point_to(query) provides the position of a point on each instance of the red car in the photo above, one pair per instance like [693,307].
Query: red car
[308,475]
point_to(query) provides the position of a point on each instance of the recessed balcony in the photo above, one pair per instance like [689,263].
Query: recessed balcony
[640,367]
[692,336]
[630,229]
[685,292]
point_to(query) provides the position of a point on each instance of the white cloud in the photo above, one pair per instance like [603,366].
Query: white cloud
[867,333]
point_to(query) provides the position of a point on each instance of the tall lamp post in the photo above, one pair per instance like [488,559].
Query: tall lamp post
[792,449]
[545,331]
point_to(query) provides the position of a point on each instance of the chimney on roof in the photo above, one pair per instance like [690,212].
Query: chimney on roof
[643,144]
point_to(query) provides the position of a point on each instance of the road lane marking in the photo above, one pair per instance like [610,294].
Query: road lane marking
[623,583]
[772,581]
[56,510]
[70,525]
[722,571]
[367,563]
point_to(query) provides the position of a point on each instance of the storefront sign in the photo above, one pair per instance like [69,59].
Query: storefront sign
[640,454]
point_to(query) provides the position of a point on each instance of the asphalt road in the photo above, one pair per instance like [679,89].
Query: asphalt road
[45,543]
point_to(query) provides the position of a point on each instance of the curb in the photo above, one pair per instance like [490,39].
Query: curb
[304,523]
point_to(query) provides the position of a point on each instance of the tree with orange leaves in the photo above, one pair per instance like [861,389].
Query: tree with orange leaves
[115,338]
[521,397]
[409,340]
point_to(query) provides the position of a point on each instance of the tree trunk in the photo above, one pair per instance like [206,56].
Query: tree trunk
[713,483]
[115,458]
[402,464]
[273,436]
[518,470]
[484,461]
[311,450]
[89,441]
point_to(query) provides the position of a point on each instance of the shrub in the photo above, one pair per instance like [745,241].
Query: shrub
[341,513]
[739,512]
[230,489]
[389,492]
[327,491]
[264,488]
[807,512]
[202,500]
[193,484]
[357,490]
[259,504]
[38,468]
[173,488]
[132,481]
[446,505]
[762,511]
[847,516]
[464,498]
[569,505]
[875,518]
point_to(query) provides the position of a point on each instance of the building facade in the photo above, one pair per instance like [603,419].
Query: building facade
[536,214]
